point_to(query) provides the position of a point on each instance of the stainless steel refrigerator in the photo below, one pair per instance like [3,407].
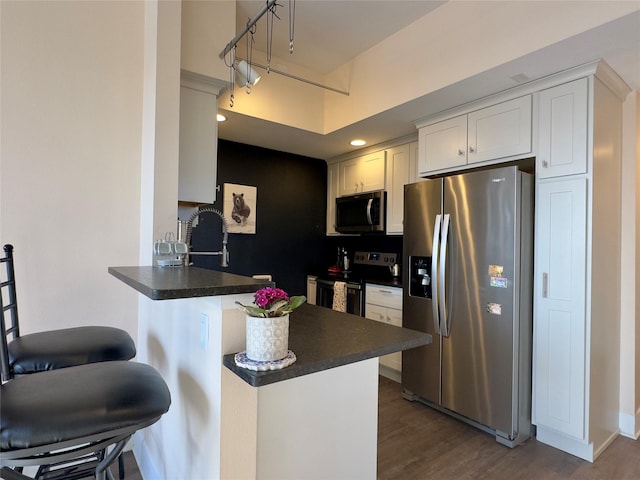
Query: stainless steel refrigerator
[467,252]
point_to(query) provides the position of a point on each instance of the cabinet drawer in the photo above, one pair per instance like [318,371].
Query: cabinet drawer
[395,316]
[385,296]
[377,313]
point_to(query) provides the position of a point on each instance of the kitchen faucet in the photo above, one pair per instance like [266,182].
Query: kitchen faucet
[224,252]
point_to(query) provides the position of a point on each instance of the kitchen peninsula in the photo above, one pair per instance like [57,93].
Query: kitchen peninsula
[314,419]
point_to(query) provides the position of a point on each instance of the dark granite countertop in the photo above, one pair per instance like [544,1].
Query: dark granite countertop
[165,283]
[322,339]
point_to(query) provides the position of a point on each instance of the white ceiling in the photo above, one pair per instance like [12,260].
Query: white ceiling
[354,26]
[335,31]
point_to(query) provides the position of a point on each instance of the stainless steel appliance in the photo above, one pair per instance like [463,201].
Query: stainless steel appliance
[367,266]
[361,213]
[354,296]
[467,251]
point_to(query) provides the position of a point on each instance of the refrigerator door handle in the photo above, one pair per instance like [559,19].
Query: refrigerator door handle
[434,273]
[444,320]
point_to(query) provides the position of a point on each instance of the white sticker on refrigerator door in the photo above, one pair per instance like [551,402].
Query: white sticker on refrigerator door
[494,308]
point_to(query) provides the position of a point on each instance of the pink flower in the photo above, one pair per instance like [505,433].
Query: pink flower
[266,297]
[272,302]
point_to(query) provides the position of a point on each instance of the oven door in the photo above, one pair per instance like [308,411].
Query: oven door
[324,296]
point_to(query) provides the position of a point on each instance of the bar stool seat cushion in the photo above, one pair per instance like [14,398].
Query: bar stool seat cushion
[51,350]
[59,405]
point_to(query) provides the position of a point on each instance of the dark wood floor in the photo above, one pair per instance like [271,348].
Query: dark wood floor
[418,443]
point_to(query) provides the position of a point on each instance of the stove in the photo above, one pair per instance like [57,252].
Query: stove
[367,267]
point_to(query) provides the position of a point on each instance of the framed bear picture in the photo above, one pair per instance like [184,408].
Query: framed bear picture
[239,207]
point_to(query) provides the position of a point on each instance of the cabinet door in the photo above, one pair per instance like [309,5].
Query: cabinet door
[398,165]
[312,289]
[394,360]
[198,150]
[373,171]
[559,347]
[562,143]
[442,145]
[349,176]
[362,174]
[413,164]
[333,171]
[502,130]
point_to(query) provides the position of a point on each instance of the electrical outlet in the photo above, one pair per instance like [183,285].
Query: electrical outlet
[204,331]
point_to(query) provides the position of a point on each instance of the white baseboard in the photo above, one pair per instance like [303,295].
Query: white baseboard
[390,373]
[630,425]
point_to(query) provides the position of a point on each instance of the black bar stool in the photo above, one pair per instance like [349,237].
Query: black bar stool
[74,422]
[54,349]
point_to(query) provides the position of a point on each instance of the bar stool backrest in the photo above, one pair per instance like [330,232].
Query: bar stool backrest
[9,309]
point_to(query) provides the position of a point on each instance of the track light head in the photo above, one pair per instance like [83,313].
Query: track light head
[245,74]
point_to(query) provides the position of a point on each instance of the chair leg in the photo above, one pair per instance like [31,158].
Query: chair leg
[121,466]
[103,466]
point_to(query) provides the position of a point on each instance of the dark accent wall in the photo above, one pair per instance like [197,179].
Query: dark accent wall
[291,212]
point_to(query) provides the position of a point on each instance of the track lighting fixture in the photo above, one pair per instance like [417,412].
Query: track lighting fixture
[245,74]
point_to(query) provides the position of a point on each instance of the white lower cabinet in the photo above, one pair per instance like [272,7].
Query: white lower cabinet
[312,289]
[384,304]
[559,353]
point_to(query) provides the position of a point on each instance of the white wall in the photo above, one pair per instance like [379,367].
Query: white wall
[71,93]
[206,29]
[630,270]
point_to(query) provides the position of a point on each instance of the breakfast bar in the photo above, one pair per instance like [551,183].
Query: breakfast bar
[316,418]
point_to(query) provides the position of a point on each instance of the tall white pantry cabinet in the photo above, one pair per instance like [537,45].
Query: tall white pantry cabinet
[576,361]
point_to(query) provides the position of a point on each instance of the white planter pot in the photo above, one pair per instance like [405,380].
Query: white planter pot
[267,338]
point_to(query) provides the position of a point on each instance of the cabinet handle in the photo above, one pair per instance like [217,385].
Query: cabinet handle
[545,285]
[460,152]
[472,150]
[545,164]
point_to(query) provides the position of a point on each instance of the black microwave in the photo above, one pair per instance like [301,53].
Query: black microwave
[361,213]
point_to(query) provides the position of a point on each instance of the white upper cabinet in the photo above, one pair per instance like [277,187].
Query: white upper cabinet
[562,145]
[503,130]
[332,192]
[362,174]
[413,164]
[443,145]
[198,150]
[496,132]
[398,175]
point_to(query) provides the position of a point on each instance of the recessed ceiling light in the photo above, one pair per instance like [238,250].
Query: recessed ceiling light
[220,117]
[357,143]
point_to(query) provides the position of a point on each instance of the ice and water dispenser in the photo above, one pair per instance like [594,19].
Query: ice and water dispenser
[420,277]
